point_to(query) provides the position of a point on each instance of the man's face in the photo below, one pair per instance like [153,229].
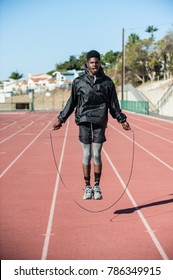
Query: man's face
[93,65]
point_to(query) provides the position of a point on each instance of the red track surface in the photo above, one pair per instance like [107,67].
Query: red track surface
[39,217]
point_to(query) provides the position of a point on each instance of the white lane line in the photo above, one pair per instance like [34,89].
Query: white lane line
[16,133]
[144,221]
[148,117]
[5,127]
[14,161]
[35,121]
[22,120]
[52,209]
[147,151]
[16,122]
[154,134]
[13,113]
[154,124]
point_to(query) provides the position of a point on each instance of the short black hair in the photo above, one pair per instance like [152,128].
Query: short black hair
[93,53]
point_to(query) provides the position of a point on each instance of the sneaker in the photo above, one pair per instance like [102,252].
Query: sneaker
[97,193]
[88,193]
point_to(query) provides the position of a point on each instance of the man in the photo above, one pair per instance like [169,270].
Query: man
[93,94]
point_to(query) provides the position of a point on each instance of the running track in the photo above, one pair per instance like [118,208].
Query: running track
[39,217]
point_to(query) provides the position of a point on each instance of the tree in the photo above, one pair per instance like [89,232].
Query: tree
[82,59]
[73,63]
[151,29]
[16,76]
[132,39]
[144,59]
[111,57]
[165,53]
[135,66]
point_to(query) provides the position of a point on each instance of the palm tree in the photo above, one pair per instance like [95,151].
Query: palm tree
[16,76]
[151,29]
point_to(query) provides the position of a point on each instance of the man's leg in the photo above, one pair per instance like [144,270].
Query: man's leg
[86,166]
[97,148]
[97,174]
[86,172]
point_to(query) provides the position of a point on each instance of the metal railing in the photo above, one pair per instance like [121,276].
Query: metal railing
[165,97]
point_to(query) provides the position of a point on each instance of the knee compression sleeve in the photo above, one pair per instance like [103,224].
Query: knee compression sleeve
[86,153]
[97,147]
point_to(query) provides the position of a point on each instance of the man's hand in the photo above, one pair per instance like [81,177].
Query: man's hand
[126,126]
[57,125]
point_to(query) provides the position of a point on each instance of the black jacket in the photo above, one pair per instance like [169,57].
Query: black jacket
[93,96]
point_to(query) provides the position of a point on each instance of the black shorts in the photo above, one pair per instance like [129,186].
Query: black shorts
[89,132]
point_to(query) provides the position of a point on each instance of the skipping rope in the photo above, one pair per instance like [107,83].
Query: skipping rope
[116,201]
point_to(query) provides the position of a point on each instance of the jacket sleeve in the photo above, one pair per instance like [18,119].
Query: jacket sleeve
[114,107]
[70,105]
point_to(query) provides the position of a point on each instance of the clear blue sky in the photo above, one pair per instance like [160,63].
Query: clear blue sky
[37,34]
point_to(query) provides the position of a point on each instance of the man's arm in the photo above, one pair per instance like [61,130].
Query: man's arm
[68,110]
[115,110]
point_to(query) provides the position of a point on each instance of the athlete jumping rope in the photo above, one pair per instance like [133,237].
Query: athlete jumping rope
[93,95]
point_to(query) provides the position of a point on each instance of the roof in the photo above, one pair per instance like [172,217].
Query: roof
[38,79]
